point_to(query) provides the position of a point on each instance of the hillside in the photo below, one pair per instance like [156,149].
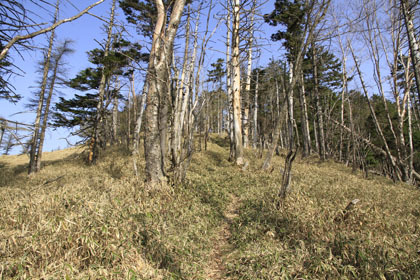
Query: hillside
[73,221]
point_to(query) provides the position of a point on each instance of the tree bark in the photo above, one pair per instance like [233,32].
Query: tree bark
[412,42]
[290,157]
[47,105]
[180,99]
[236,98]
[115,120]
[278,125]
[229,83]
[304,119]
[320,117]
[158,80]
[101,92]
[255,114]
[245,120]
[377,125]
[35,137]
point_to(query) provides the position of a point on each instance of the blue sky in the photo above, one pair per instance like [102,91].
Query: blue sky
[84,32]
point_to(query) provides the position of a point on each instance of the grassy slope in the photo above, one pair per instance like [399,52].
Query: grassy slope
[78,221]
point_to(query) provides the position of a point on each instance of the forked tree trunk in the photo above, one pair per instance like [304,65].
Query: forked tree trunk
[46,68]
[286,178]
[179,102]
[158,80]
[57,58]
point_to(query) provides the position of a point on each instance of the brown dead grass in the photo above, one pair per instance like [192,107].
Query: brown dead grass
[73,221]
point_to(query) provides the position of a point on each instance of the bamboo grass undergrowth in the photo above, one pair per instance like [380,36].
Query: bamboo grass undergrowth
[73,221]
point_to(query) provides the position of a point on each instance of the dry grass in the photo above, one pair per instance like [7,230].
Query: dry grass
[73,221]
[309,239]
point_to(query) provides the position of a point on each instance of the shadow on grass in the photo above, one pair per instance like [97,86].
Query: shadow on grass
[154,249]
[159,254]
[220,140]
[346,251]
[218,159]
[263,218]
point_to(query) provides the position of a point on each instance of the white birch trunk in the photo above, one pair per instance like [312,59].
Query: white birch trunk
[236,98]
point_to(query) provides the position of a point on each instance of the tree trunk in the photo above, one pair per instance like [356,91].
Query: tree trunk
[229,83]
[245,120]
[35,136]
[236,98]
[2,128]
[343,91]
[286,178]
[276,135]
[47,105]
[133,93]
[412,42]
[115,120]
[410,141]
[255,115]
[179,102]
[352,133]
[278,126]
[304,119]
[320,117]
[99,107]
[158,80]
[396,170]
[128,132]
[136,142]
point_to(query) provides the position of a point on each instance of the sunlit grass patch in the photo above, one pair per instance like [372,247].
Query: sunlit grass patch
[78,221]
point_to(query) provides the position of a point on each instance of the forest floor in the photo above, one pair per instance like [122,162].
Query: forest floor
[222,247]
[74,221]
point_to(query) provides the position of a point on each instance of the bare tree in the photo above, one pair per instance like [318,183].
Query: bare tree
[20,38]
[101,94]
[35,138]
[408,9]
[57,57]
[245,118]
[236,94]
[158,80]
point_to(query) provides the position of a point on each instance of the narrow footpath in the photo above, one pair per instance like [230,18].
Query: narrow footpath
[222,247]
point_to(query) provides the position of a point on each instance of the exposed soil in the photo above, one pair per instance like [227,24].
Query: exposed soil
[222,247]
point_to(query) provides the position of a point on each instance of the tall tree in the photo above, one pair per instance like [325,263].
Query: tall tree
[57,64]
[407,8]
[300,19]
[236,93]
[104,79]
[158,91]
[46,68]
